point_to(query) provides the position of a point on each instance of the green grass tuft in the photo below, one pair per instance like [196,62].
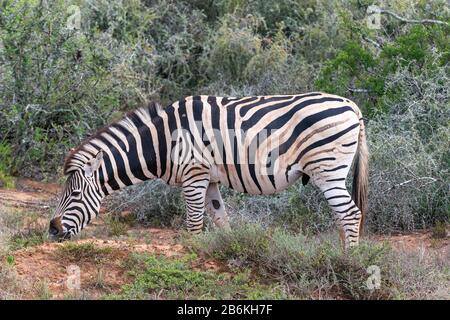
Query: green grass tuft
[439,230]
[74,251]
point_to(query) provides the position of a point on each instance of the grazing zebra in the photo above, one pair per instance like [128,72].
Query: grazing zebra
[257,145]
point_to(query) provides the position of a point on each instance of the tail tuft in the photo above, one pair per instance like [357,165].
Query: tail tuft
[361,176]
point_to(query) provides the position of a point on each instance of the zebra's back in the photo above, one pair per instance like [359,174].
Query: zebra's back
[263,144]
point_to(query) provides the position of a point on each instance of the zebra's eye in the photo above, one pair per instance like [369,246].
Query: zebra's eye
[76,194]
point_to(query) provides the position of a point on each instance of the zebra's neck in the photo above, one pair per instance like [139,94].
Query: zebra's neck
[130,150]
[132,154]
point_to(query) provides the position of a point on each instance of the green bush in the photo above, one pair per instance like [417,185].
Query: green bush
[357,69]
[353,67]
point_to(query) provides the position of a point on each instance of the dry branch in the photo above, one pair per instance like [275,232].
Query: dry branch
[412,180]
[406,20]
[376,44]
[358,90]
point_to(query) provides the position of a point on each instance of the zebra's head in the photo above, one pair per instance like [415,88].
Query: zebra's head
[80,201]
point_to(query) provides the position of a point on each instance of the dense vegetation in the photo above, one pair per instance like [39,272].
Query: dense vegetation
[59,82]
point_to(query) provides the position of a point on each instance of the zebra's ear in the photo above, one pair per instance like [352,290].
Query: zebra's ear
[92,165]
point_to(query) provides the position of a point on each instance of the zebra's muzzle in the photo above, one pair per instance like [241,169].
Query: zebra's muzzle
[56,231]
[60,237]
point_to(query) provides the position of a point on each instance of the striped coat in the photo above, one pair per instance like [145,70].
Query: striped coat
[257,145]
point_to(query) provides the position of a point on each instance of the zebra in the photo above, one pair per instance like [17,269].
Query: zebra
[255,145]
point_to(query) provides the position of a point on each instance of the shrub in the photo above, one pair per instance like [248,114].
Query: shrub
[116,224]
[353,67]
[359,71]
[231,48]
[151,202]
[318,268]
[115,227]
[439,230]
[408,188]
[59,84]
[178,35]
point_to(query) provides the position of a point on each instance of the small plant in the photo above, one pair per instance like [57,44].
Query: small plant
[18,229]
[115,227]
[42,290]
[26,228]
[6,181]
[439,230]
[100,278]
[11,260]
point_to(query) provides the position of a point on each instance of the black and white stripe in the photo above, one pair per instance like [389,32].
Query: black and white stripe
[258,145]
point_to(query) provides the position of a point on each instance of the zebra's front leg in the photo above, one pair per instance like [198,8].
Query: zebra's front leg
[194,192]
[215,206]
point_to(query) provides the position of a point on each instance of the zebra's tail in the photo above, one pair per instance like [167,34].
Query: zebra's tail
[361,175]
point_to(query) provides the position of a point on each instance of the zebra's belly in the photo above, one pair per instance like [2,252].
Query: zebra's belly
[254,184]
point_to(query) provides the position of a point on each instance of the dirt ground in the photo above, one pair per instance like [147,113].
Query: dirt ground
[42,268]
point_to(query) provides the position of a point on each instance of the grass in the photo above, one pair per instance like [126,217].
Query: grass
[42,290]
[22,229]
[10,260]
[159,277]
[11,287]
[28,238]
[100,278]
[311,268]
[75,252]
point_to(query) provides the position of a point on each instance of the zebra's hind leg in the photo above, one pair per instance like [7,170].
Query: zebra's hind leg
[194,192]
[215,206]
[348,215]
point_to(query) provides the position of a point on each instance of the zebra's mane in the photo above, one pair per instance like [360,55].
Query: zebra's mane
[88,148]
